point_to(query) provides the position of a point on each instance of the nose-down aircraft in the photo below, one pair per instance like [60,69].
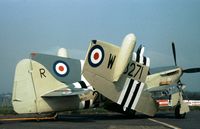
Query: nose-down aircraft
[47,83]
[124,77]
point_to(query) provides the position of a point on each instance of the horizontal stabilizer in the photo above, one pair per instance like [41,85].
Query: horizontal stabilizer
[59,93]
[64,92]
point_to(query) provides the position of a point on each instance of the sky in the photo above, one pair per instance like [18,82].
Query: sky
[46,25]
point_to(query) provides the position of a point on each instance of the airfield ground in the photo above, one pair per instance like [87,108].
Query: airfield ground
[162,120]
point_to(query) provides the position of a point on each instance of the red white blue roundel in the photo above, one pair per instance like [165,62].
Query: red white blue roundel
[96,56]
[61,68]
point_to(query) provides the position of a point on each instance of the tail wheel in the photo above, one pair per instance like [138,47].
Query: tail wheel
[177,112]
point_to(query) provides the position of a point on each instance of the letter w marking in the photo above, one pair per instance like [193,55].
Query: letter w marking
[111,61]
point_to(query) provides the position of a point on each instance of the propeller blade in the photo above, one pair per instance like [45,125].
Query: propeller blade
[174,53]
[191,70]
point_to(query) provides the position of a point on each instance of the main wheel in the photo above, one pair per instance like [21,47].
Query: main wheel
[177,112]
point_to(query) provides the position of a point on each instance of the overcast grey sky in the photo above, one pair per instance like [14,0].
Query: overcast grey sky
[45,25]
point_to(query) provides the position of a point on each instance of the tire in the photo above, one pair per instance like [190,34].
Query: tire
[177,113]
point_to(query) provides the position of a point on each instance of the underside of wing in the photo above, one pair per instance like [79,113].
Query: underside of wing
[65,92]
[163,91]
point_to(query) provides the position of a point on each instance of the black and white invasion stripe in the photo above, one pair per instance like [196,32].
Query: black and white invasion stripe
[130,93]
[139,57]
[132,88]
[86,104]
[82,85]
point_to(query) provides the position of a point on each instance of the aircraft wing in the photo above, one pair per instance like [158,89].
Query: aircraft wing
[163,91]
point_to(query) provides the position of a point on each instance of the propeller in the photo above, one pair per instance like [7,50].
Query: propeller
[180,85]
[174,53]
[189,70]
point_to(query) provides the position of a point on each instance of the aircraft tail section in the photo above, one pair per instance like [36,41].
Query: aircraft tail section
[31,81]
[112,72]
[108,60]
[47,83]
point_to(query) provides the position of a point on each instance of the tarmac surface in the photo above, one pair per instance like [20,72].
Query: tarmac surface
[163,120]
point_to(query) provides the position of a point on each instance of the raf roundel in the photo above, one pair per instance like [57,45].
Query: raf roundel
[61,68]
[96,56]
